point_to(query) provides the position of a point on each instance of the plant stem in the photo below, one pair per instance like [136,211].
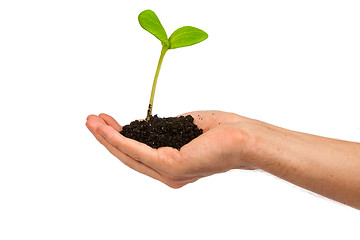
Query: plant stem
[163,51]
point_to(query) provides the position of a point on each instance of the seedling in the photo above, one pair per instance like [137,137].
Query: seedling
[182,37]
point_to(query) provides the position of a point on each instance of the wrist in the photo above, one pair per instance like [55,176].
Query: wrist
[245,143]
[259,145]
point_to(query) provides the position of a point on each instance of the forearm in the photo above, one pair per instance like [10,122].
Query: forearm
[326,166]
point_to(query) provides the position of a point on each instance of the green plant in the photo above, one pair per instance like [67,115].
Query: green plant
[182,37]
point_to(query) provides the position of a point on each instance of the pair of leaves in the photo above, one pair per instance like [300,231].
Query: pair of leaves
[182,37]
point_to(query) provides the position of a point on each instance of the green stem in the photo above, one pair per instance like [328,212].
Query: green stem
[163,51]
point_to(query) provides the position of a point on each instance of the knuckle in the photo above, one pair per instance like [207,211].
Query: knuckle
[102,130]
[174,185]
[175,165]
[178,173]
[175,172]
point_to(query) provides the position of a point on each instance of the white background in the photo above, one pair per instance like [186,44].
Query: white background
[294,64]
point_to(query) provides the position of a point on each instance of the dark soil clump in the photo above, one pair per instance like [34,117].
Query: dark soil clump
[163,132]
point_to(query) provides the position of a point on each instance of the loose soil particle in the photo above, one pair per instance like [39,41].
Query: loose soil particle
[163,132]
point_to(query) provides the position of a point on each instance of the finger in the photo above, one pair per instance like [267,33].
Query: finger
[92,123]
[142,168]
[111,121]
[136,150]
[95,122]
[128,161]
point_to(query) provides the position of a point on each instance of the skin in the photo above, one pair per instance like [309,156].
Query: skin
[325,166]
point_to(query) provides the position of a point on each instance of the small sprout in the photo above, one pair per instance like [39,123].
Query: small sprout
[182,37]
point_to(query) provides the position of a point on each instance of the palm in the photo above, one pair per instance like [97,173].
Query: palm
[207,154]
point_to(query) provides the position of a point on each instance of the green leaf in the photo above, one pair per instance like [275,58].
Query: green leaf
[186,36]
[151,23]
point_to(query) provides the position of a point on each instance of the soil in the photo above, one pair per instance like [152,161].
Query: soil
[163,132]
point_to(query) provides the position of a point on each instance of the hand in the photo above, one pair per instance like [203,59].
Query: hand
[326,166]
[222,146]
